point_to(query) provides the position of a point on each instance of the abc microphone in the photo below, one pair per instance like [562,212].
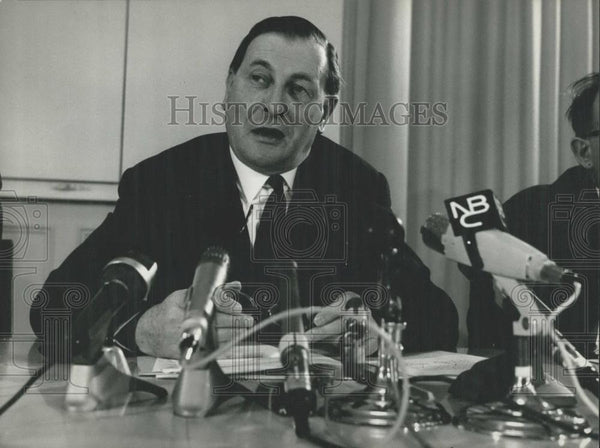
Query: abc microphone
[210,273]
[293,349]
[474,234]
[501,253]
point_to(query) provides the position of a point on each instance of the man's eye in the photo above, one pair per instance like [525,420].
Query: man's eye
[259,79]
[299,91]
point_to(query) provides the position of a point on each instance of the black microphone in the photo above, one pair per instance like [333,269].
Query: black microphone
[210,273]
[124,280]
[354,325]
[294,353]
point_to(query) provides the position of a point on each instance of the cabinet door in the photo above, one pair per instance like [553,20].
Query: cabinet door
[43,234]
[61,85]
[183,49]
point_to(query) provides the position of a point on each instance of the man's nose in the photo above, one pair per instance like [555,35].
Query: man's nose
[275,102]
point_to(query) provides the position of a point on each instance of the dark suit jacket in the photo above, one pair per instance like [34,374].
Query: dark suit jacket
[1,217]
[174,205]
[561,220]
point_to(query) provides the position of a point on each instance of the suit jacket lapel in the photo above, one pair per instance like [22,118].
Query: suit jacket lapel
[227,214]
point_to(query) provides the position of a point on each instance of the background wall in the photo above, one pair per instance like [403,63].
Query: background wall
[86,86]
[502,68]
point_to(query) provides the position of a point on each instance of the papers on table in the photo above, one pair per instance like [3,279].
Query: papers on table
[439,363]
[243,366]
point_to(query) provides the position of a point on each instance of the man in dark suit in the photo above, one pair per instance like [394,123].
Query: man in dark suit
[561,220]
[332,217]
[1,217]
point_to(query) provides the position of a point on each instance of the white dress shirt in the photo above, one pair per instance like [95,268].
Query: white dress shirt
[254,192]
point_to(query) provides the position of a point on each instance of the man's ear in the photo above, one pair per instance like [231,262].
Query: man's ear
[582,152]
[228,83]
[328,108]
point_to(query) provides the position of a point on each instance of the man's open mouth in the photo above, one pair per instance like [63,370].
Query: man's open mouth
[269,133]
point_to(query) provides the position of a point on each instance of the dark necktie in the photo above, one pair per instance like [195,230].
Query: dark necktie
[266,233]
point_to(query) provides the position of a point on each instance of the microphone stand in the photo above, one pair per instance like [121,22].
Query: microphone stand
[377,404]
[524,412]
[195,394]
[107,383]
[195,390]
[99,376]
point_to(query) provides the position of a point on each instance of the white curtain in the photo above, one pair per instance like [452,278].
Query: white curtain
[501,66]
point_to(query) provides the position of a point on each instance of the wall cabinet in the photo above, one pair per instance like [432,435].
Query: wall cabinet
[89,88]
[61,86]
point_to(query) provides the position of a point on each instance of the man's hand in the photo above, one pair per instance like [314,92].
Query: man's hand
[333,321]
[229,319]
[158,331]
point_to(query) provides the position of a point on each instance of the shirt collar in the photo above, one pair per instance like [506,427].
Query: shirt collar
[251,182]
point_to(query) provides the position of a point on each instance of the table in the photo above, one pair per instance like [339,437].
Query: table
[39,419]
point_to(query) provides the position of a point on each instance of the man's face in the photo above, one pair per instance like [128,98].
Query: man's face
[587,148]
[275,102]
[595,139]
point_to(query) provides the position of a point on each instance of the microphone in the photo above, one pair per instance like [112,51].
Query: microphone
[586,372]
[293,349]
[357,324]
[354,324]
[124,279]
[501,253]
[210,273]
[194,392]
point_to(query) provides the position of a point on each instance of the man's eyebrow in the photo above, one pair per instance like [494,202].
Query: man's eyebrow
[261,63]
[300,75]
[305,77]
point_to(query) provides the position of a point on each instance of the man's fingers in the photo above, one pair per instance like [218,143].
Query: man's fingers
[343,305]
[228,326]
[331,311]
[227,298]
[225,335]
[330,330]
[234,285]
[176,299]
[223,320]
[371,344]
[333,333]
[369,340]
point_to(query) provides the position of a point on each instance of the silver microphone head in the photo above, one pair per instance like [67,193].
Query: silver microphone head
[210,273]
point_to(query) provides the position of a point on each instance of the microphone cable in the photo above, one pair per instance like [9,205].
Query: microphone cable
[405,395]
[23,390]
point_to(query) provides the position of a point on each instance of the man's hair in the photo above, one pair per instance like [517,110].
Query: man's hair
[293,27]
[584,93]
